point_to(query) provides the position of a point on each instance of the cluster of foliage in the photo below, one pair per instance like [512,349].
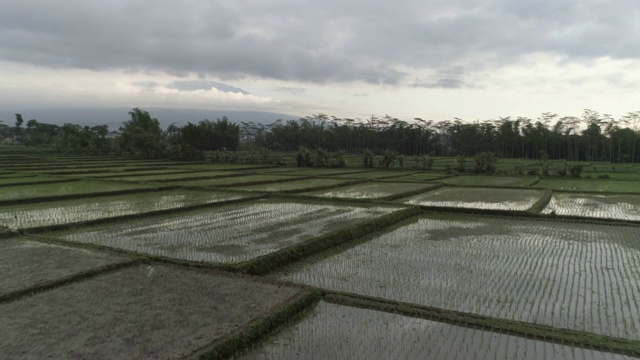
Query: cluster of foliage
[320,158]
[191,141]
[140,137]
[591,137]
[262,156]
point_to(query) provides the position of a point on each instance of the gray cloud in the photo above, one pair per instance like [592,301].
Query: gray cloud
[192,85]
[290,90]
[319,42]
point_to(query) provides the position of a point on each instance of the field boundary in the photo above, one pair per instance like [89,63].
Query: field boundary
[275,260]
[52,284]
[251,335]
[533,331]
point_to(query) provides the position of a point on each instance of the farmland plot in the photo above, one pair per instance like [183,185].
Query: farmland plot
[293,185]
[590,185]
[151,312]
[374,174]
[65,188]
[229,234]
[421,176]
[233,181]
[576,276]
[340,332]
[619,207]
[478,198]
[484,180]
[24,263]
[72,211]
[372,190]
[164,177]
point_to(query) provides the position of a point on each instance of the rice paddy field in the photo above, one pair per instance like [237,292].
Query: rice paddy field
[373,190]
[113,258]
[478,198]
[606,206]
[341,332]
[64,188]
[295,186]
[590,185]
[86,209]
[496,181]
[228,234]
[557,274]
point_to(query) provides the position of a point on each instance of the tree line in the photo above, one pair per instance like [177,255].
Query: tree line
[591,137]
[140,137]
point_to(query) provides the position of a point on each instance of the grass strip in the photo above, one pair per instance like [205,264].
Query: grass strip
[40,182]
[323,187]
[16,295]
[249,336]
[539,205]
[510,327]
[40,199]
[412,192]
[272,261]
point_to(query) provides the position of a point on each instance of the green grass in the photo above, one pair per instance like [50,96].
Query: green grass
[64,188]
[490,180]
[421,177]
[294,186]
[233,181]
[589,185]
[375,174]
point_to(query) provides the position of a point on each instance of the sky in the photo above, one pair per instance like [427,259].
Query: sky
[471,59]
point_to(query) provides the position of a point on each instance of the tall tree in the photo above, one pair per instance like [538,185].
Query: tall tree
[142,136]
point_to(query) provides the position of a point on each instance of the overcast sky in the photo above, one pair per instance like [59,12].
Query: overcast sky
[473,59]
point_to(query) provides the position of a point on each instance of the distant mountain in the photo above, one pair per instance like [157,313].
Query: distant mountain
[113,117]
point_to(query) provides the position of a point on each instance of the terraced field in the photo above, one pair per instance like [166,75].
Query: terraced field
[478,198]
[619,207]
[362,263]
[86,209]
[556,274]
[229,234]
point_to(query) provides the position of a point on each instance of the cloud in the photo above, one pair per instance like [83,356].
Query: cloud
[290,90]
[194,85]
[374,42]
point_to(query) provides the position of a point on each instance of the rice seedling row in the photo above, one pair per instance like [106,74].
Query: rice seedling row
[188,176]
[590,185]
[132,172]
[150,311]
[619,207]
[235,181]
[228,234]
[374,190]
[92,208]
[478,198]
[296,186]
[23,192]
[421,177]
[374,174]
[575,276]
[339,332]
[30,180]
[496,181]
